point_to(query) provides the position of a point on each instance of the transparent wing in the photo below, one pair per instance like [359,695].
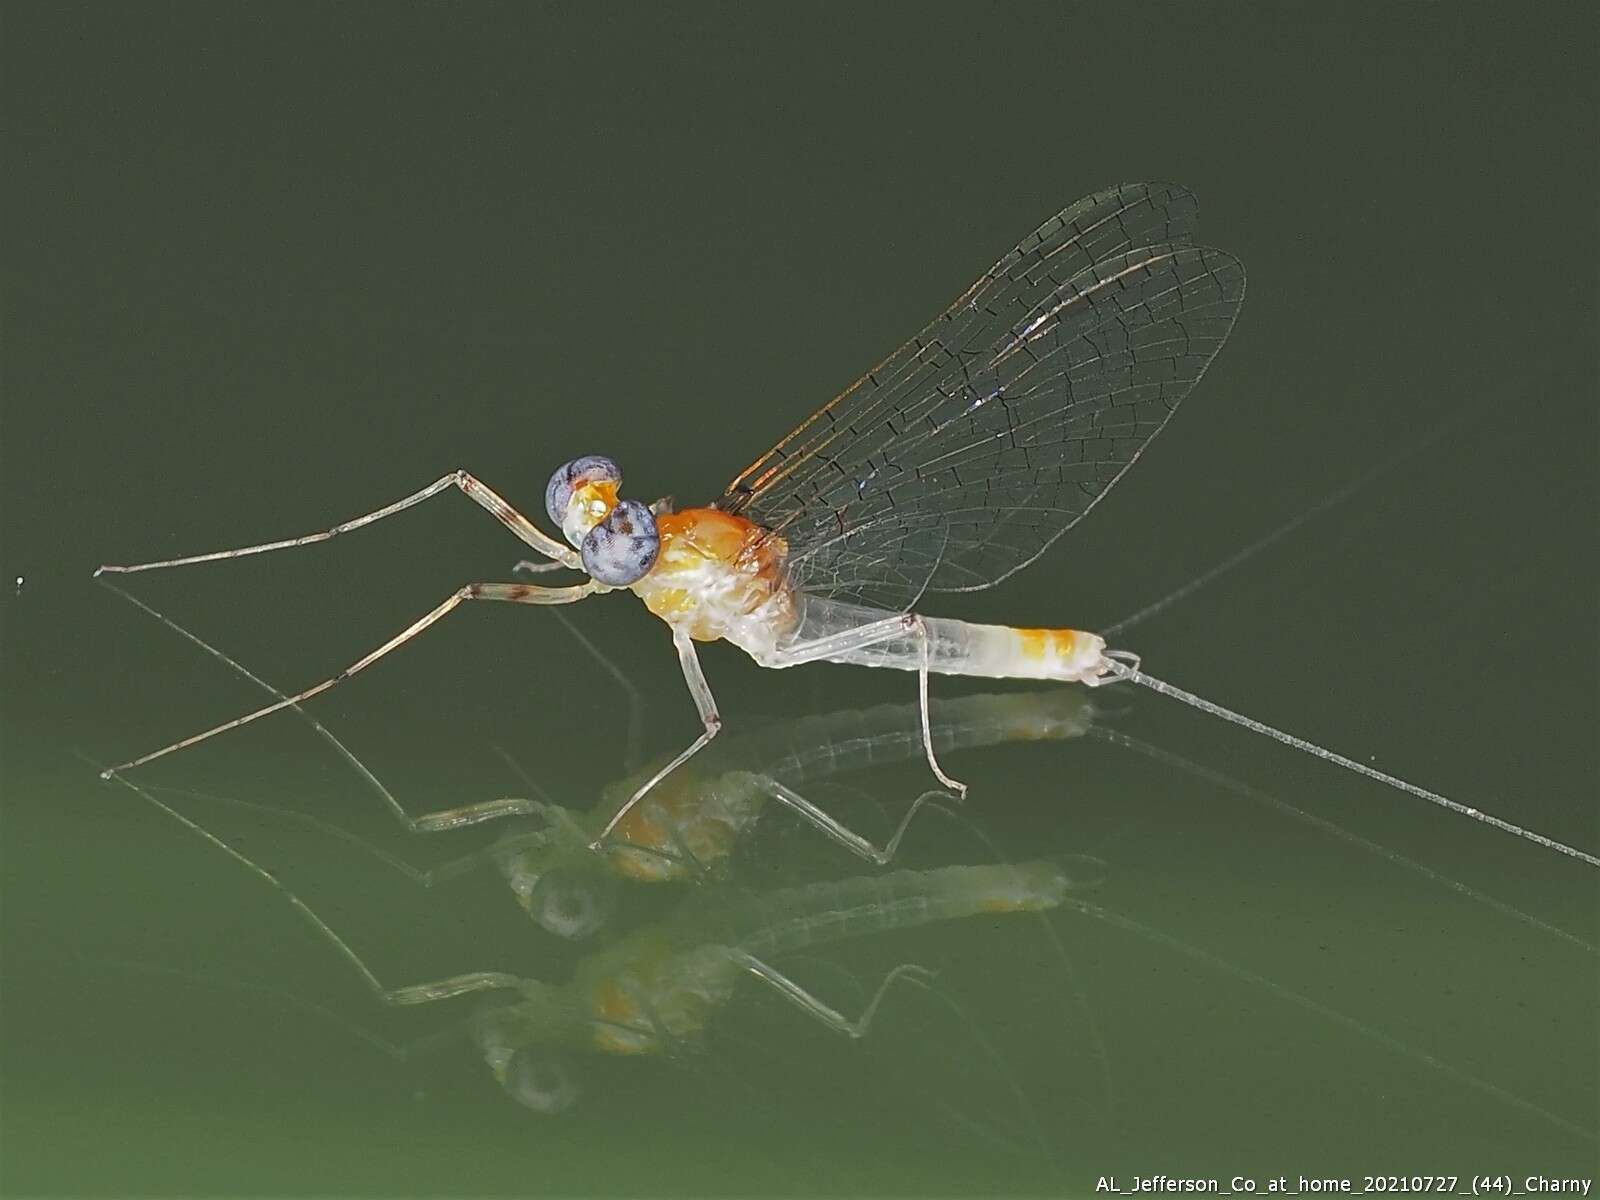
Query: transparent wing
[957,460]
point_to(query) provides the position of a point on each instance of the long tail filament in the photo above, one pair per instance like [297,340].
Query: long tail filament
[1122,670]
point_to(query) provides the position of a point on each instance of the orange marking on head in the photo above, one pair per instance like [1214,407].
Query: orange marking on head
[598,498]
[603,489]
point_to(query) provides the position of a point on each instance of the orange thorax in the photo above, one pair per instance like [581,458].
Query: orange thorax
[717,572]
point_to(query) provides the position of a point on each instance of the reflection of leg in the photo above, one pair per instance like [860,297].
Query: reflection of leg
[400,1052]
[667,1042]
[416,993]
[705,704]
[804,1000]
[636,707]
[833,828]
[874,633]
[478,492]
[440,873]
[470,814]
[479,812]
[516,593]
[681,852]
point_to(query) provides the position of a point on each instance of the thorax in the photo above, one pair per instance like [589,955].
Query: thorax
[720,576]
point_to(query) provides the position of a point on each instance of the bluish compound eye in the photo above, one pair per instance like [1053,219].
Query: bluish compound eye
[591,468]
[540,1082]
[623,547]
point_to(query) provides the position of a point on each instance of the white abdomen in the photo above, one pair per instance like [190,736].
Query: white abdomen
[958,647]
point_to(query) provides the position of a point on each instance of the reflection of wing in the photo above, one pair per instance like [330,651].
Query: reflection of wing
[959,458]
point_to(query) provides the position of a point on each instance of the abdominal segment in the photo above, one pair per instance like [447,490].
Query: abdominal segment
[957,647]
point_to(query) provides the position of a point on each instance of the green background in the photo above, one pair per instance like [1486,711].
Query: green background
[267,266]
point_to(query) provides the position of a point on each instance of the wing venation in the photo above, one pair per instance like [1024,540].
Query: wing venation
[957,460]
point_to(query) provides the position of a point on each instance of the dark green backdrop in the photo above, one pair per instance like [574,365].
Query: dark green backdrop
[269,265]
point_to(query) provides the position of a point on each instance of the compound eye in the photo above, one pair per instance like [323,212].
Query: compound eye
[590,469]
[621,549]
[571,903]
[540,1082]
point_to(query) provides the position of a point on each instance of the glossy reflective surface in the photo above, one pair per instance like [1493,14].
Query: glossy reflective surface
[267,271]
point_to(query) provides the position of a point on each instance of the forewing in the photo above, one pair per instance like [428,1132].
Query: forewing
[957,460]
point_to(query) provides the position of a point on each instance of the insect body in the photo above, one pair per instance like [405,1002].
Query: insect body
[950,466]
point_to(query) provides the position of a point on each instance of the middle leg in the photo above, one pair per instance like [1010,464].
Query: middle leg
[831,1017]
[835,829]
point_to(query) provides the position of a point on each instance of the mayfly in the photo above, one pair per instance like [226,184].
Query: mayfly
[949,467]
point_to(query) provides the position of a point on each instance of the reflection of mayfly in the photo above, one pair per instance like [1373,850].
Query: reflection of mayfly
[655,990]
[689,827]
[950,466]
[659,986]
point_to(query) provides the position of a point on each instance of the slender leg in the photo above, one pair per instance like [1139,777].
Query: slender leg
[845,836]
[860,638]
[437,874]
[480,494]
[416,993]
[680,851]
[797,995]
[517,593]
[704,703]
[453,818]
[955,785]
[401,1052]
[529,566]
